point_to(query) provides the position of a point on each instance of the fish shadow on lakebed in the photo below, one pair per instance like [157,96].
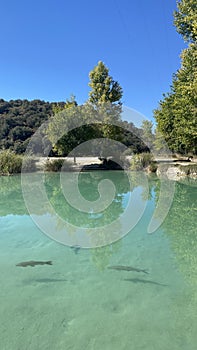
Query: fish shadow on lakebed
[143,281]
[43,280]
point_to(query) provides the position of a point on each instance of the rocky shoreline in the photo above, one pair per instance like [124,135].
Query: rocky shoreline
[177,172]
[170,168]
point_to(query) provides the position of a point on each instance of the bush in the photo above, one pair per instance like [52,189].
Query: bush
[141,161]
[10,163]
[57,165]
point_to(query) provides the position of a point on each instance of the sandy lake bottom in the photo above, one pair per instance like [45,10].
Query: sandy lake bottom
[79,303]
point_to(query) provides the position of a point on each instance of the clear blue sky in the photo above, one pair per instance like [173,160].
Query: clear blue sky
[48,48]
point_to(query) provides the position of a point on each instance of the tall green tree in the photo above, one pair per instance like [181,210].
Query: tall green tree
[185,19]
[105,97]
[103,87]
[177,113]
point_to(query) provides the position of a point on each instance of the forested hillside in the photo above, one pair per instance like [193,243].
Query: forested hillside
[19,119]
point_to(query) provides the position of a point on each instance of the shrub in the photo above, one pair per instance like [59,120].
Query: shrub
[141,161]
[10,163]
[57,165]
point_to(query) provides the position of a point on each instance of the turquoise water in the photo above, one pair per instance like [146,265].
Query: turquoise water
[80,304]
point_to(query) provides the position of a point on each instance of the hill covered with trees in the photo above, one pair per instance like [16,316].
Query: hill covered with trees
[19,119]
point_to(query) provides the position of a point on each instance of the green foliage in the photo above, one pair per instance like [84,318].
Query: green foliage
[103,87]
[53,165]
[10,163]
[57,165]
[186,19]
[141,161]
[19,119]
[77,124]
[67,129]
[16,129]
[177,113]
[132,138]
[106,95]
[60,106]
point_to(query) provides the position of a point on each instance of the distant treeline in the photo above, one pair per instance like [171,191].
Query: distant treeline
[19,119]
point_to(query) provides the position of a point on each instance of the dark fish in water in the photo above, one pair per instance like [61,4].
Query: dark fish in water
[127,268]
[75,248]
[138,280]
[33,263]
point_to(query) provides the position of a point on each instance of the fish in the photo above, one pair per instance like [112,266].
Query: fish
[33,263]
[139,280]
[127,268]
[75,248]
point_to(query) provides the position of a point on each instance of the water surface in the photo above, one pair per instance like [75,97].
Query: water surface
[80,304]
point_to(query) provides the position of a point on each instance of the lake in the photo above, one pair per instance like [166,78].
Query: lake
[79,302]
